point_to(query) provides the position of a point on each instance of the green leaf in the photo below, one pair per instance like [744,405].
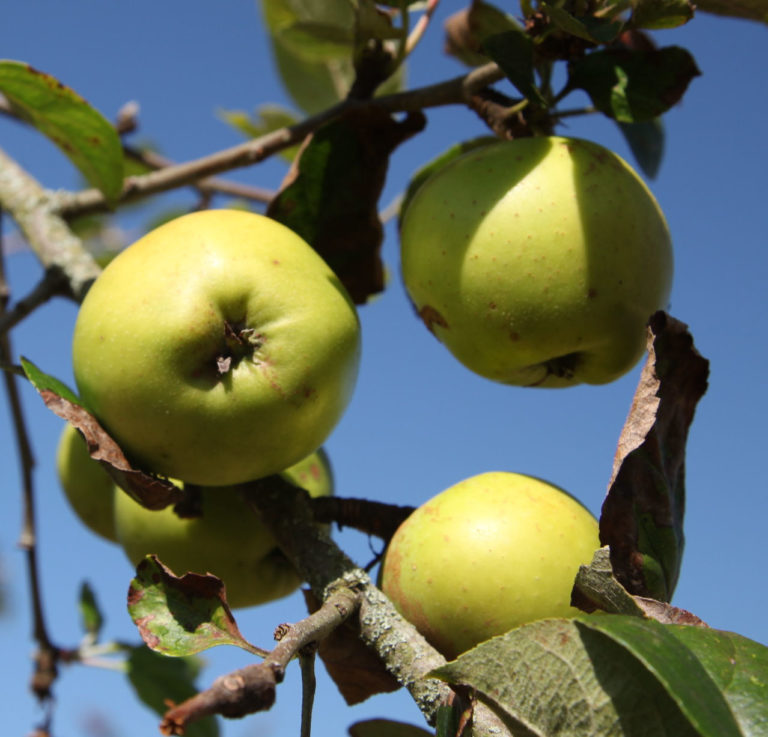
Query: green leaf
[386,728]
[46,383]
[266,118]
[314,45]
[660,14]
[426,171]
[157,680]
[749,9]
[513,52]
[634,86]
[676,667]
[646,139]
[181,616]
[607,675]
[596,30]
[739,668]
[90,613]
[84,135]
[596,587]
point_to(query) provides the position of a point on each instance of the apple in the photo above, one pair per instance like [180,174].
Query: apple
[228,539]
[538,261]
[217,349]
[89,489]
[489,554]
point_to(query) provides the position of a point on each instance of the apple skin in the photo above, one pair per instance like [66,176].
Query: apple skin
[89,489]
[228,539]
[491,553]
[538,262]
[164,357]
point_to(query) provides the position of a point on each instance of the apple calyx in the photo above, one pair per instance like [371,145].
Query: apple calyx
[240,342]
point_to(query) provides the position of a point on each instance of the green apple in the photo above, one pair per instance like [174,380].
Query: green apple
[489,554]
[538,262]
[228,539]
[217,349]
[87,486]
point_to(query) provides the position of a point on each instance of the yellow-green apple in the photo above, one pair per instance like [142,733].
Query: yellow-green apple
[537,262]
[489,554]
[227,539]
[217,349]
[87,485]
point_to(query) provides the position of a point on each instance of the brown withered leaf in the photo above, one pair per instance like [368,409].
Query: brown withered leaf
[355,669]
[642,515]
[150,492]
[330,195]
[668,614]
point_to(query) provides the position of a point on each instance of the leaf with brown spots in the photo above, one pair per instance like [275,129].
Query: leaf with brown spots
[182,615]
[330,196]
[355,669]
[150,492]
[85,136]
[642,515]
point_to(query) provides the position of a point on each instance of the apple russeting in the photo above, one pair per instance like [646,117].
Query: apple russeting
[88,487]
[227,539]
[538,261]
[491,553]
[217,349]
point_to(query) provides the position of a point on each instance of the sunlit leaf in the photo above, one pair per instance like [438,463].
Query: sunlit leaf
[90,614]
[658,14]
[83,134]
[181,615]
[749,9]
[609,675]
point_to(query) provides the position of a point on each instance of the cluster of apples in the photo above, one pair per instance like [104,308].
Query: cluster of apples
[217,349]
[220,348]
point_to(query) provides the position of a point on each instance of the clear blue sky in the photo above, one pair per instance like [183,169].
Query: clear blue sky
[418,422]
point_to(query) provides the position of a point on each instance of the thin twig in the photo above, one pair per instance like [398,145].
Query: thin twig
[308,688]
[212,185]
[421,26]
[46,656]
[452,92]
[252,688]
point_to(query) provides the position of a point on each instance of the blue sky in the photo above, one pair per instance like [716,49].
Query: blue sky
[419,422]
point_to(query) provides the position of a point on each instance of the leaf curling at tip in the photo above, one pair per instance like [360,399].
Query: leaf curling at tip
[642,515]
[149,491]
[182,615]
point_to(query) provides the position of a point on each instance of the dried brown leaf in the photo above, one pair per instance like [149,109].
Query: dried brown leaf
[642,516]
[330,195]
[150,492]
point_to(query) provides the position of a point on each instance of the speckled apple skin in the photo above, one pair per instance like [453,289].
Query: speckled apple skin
[523,252]
[489,554]
[229,540]
[152,326]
